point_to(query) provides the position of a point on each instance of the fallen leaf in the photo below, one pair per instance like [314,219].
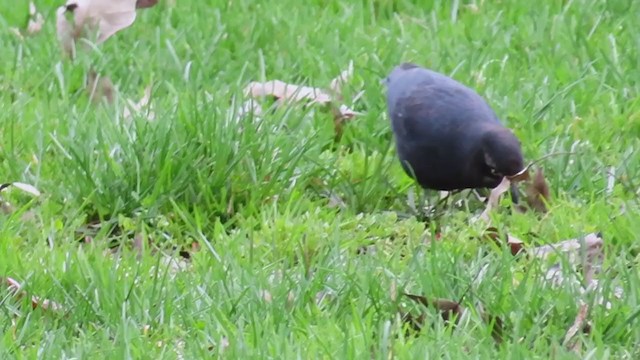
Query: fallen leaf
[578,325]
[592,244]
[611,180]
[66,32]
[494,198]
[29,189]
[104,17]
[538,192]
[175,265]
[492,233]
[516,245]
[585,254]
[100,87]
[6,207]
[266,296]
[143,4]
[36,20]
[286,93]
[138,245]
[496,323]
[472,8]
[448,309]
[283,91]
[223,344]
[16,289]
[393,290]
[250,106]
[140,108]
[336,84]
[15,31]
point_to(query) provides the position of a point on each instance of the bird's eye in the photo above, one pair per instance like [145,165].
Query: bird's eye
[494,172]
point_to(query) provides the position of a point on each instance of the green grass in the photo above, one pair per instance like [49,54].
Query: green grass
[564,75]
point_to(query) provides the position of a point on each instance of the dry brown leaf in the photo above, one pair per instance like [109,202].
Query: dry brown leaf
[29,189]
[393,290]
[15,31]
[100,87]
[141,108]
[472,8]
[36,20]
[283,92]
[16,289]
[250,106]
[336,84]
[495,322]
[138,245]
[105,17]
[538,194]
[592,244]
[289,93]
[579,324]
[611,180]
[516,245]
[143,4]
[585,253]
[266,296]
[66,32]
[494,198]
[448,309]
[6,207]
[175,265]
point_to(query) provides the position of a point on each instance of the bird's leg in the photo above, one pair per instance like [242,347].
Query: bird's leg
[515,195]
[444,200]
[479,196]
[423,208]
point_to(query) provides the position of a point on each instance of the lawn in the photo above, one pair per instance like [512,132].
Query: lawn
[203,234]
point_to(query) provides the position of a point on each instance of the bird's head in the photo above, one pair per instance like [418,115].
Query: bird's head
[502,153]
[397,71]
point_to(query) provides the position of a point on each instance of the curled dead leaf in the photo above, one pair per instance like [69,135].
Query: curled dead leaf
[29,189]
[538,194]
[16,290]
[336,84]
[100,87]
[494,198]
[515,245]
[285,93]
[591,243]
[105,18]
[611,180]
[449,310]
[36,20]
[494,322]
[579,324]
[143,4]
[266,296]
[140,108]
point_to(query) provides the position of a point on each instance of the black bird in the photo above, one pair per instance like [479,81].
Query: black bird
[447,137]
